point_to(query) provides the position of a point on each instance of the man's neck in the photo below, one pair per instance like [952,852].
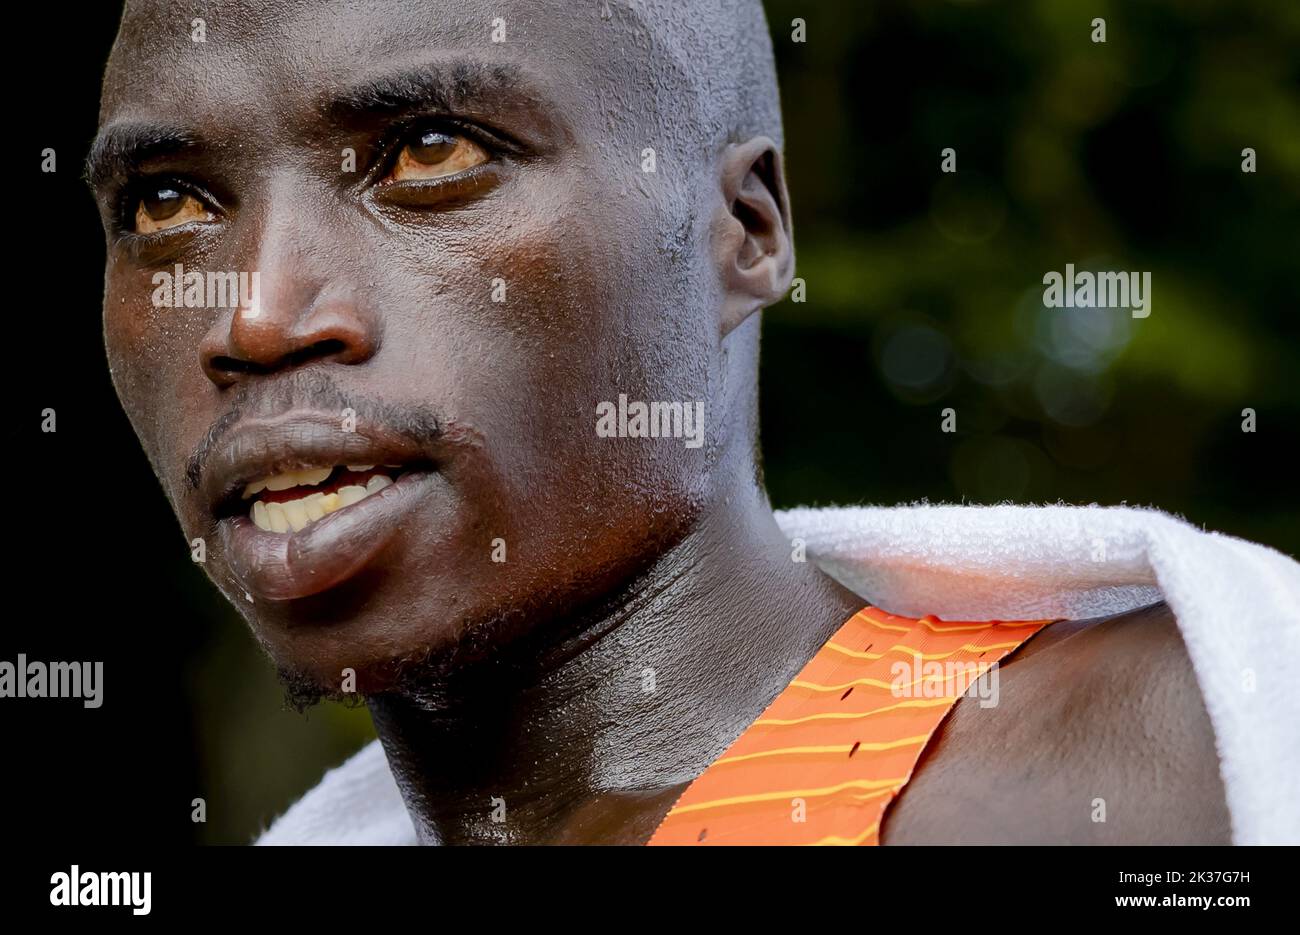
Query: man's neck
[596,745]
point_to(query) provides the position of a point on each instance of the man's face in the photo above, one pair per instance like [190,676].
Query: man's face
[453,300]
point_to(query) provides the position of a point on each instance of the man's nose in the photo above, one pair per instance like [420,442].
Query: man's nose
[300,311]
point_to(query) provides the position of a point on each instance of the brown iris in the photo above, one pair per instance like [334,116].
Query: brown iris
[433,154]
[166,207]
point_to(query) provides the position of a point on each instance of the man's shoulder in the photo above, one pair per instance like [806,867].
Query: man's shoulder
[1099,735]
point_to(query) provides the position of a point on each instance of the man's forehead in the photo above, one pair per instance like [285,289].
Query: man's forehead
[276,53]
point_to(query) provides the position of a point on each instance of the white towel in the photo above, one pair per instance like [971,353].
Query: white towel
[1237,605]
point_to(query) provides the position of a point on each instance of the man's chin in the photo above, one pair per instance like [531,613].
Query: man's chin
[305,686]
[342,660]
[303,691]
[350,685]
[423,672]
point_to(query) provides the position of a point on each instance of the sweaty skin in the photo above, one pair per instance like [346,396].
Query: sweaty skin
[647,608]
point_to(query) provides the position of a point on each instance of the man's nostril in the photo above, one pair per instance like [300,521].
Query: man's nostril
[233,365]
[327,348]
[331,347]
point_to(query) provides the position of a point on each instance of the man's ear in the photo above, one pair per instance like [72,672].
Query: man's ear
[751,234]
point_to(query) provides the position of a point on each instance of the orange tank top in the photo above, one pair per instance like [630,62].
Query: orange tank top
[826,759]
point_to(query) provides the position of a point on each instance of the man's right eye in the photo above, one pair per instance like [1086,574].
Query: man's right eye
[166,206]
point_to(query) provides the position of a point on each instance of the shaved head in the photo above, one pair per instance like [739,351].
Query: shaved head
[711,66]
[699,73]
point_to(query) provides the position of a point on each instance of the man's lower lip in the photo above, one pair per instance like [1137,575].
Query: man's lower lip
[285,566]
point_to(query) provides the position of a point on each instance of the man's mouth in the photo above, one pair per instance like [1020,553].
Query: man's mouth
[302,506]
[293,500]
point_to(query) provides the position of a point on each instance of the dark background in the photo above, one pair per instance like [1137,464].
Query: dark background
[924,292]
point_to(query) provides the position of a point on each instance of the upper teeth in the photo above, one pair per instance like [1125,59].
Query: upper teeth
[308,477]
[300,512]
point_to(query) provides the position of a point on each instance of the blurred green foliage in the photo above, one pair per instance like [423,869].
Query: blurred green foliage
[924,289]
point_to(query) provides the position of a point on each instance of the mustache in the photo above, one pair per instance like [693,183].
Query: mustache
[318,391]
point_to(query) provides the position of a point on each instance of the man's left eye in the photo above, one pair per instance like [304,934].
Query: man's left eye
[433,154]
[163,206]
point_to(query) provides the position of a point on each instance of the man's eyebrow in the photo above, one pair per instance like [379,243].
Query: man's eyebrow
[121,148]
[450,86]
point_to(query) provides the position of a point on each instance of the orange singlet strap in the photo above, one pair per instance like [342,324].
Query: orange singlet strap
[825,759]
